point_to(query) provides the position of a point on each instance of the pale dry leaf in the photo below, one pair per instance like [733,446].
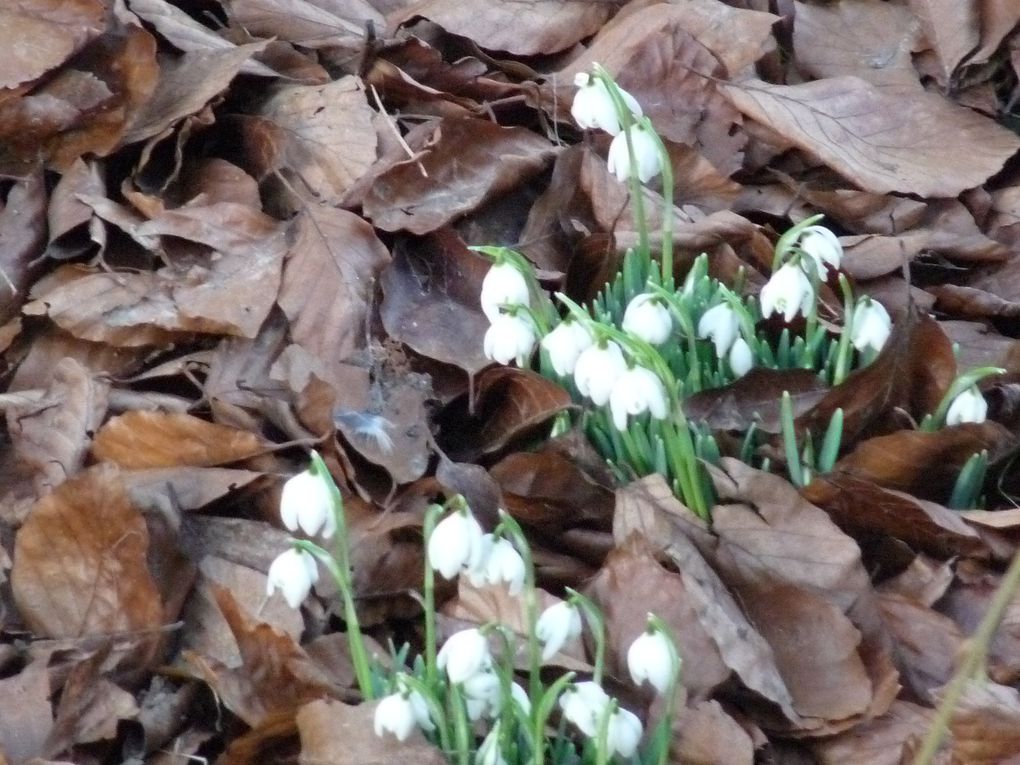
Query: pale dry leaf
[918,144]
[38,35]
[882,741]
[986,724]
[952,27]
[308,24]
[26,714]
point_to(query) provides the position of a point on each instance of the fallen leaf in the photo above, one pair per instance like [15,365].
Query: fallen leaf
[56,29]
[986,724]
[22,233]
[927,645]
[952,30]
[26,716]
[882,741]
[706,735]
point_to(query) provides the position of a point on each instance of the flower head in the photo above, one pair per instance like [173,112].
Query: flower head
[593,106]
[399,712]
[456,543]
[503,284]
[624,733]
[293,572]
[464,654]
[597,370]
[968,406]
[307,502]
[788,292]
[483,695]
[651,657]
[583,704]
[488,753]
[721,323]
[500,564]
[637,390]
[648,319]
[565,344]
[509,337]
[556,625]
[741,358]
[871,325]
[646,154]
[822,247]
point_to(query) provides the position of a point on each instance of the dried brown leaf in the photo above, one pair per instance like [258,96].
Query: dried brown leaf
[952,29]
[80,561]
[56,29]
[157,439]
[91,706]
[918,143]
[707,735]
[26,716]
[882,741]
[309,24]
[73,228]
[22,233]
[927,644]
[986,724]
[512,402]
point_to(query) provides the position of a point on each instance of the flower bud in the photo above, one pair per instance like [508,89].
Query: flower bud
[637,390]
[741,358]
[593,106]
[968,406]
[720,322]
[509,338]
[871,325]
[503,285]
[787,292]
[597,370]
[307,503]
[293,572]
[648,319]
[646,155]
[565,344]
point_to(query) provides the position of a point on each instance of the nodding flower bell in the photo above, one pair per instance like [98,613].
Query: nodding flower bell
[509,338]
[464,655]
[565,344]
[593,106]
[871,325]
[503,285]
[968,406]
[597,370]
[788,292]
[822,247]
[307,503]
[500,564]
[648,161]
[741,357]
[293,572]
[583,704]
[648,319]
[637,390]
[650,657]
[400,712]
[624,733]
[721,324]
[456,543]
[556,625]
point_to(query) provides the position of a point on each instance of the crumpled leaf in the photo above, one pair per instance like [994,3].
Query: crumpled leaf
[882,741]
[57,29]
[986,724]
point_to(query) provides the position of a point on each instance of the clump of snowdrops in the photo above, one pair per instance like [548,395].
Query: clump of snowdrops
[646,343]
[466,696]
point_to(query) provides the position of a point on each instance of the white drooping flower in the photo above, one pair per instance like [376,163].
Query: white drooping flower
[741,358]
[555,626]
[500,564]
[508,338]
[503,284]
[400,712]
[583,704]
[822,246]
[636,391]
[565,344]
[788,292]
[721,324]
[597,370]
[488,753]
[871,325]
[483,695]
[646,155]
[293,572]
[650,657]
[968,406]
[464,654]
[624,733]
[648,319]
[307,503]
[456,544]
[593,106]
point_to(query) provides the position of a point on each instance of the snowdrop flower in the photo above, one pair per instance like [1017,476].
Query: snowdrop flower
[720,323]
[597,370]
[741,358]
[556,625]
[624,733]
[483,695]
[646,154]
[822,247]
[593,106]
[583,704]
[648,319]
[456,544]
[503,284]
[399,712]
[650,657]
[464,654]
[519,695]
[788,292]
[969,406]
[565,344]
[292,572]
[488,753]
[307,502]
[509,338]
[637,390]
[871,325]
[500,564]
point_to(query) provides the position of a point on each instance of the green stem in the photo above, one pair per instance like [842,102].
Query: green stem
[843,352]
[667,208]
[435,709]
[602,742]
[793,465]
[597,624]
[461,725]
[530,595]
[432,513]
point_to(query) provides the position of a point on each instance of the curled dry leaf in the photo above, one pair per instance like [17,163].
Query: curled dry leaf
[157,439]
[986,724]
[80,561]
[882,741]
[26,714]
[707,735]
[57,29]
[23,226]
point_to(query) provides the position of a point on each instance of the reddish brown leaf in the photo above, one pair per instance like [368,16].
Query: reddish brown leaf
[73,228]
[927,645]
[882,741]
[91,706]
[512,402]
[756,398]
[708,736]
[157,439]
[952,30]
[80,561]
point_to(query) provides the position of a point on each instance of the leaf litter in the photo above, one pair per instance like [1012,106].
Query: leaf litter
[232,234]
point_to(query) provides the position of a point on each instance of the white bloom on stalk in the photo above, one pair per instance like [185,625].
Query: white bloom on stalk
[871,325]
[624,733]
[650,657]
[968,406]
[500,564]
[555,626]
[721,324]
[593,105]
[637,390]
[822,247]
[583,704]
[597,370]
[646,154]
[400,712]
[483,695]
[648,319]
[293,572]
[503,284]
[508,338]
[741,358]
[307,503]
[565,344]
[488,753]
[464,654]
[456,544]
[788,292]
